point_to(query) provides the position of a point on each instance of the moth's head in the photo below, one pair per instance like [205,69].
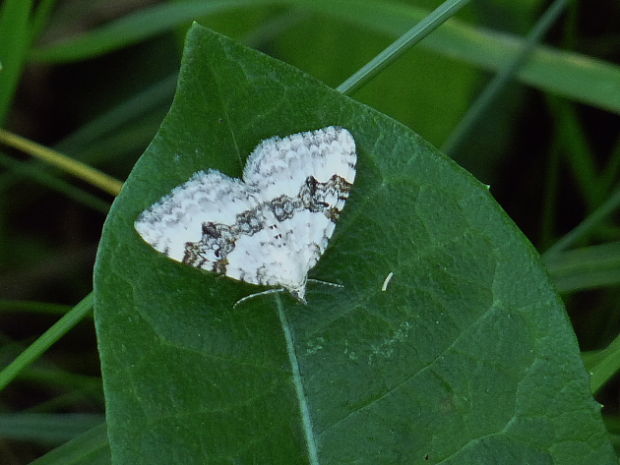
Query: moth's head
[299,292]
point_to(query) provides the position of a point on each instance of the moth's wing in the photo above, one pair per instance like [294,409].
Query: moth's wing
[179,218]
[316,169]
[270,229]
[280,166]
[263,257]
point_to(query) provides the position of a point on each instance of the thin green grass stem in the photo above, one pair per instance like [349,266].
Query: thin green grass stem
[33,306]
[45,341]
[499,82]
[603,365]
[414,35]
[593,220]
[118,116]
[26,169]
[14,45]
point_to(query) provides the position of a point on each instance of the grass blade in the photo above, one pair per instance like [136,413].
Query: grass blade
[414,35]
[46,428]
[38,347]
[598,215]
[32,306]
[78,169]
[506,74]
[603,365]
[586,267]
[89,448]
[25,169]
[566,74]
[14,43]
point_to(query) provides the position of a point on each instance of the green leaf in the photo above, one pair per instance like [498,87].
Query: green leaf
[466,357]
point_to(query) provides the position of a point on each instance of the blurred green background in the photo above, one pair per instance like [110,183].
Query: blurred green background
[93,80]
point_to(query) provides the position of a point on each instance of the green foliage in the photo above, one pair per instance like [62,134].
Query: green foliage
[89,448]
[586,267]
[48,428]
[14,42]
[467,356]
[445,364]
[562,73]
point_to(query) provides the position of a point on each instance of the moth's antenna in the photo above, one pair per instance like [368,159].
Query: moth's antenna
[251,296]
[327,283]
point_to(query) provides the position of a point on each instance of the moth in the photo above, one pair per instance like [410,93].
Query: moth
[271,226]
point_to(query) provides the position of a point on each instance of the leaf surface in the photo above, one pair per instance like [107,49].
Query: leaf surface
[466,357]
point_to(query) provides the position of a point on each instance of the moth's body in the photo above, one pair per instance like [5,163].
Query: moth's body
[272,227]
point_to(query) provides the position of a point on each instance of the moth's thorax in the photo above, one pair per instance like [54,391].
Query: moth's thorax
[294,280]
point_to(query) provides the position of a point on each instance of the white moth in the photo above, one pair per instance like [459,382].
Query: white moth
[268,228]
